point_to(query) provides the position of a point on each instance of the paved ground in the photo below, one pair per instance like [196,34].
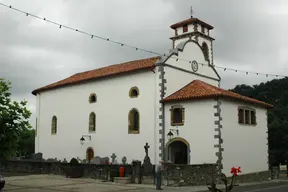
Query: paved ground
[49,183]
[273,186]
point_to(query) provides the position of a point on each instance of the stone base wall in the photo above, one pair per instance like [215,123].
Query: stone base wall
[104,172]
[252,177]
[174,175]
[185,175]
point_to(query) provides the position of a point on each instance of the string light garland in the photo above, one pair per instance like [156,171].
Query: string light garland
[133,47]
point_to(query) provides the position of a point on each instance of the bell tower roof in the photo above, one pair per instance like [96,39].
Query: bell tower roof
[192,21]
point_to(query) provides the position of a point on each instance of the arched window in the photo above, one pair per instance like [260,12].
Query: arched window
[134,92]
[54,125]
[92,122]
[205,50]
[133,121]
[92,98]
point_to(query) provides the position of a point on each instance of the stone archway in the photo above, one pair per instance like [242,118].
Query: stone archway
[89,154]
[178,151]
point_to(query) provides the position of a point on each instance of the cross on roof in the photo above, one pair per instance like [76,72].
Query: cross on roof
[191,11]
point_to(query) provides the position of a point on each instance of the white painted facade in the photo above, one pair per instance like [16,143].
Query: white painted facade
[197,130]
[70,105]
[244,145]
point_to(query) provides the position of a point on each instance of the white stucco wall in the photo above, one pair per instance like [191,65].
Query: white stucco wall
[176,79]
[71,106]
[198,129]
[37,123]
[244,145]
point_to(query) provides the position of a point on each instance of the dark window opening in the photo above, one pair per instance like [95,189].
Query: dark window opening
[205,51]
[185,28]
[134,93]
[247,116]
[253,118]
[92,122]
[134,123]
[241,116]
[177,115]
[92,98]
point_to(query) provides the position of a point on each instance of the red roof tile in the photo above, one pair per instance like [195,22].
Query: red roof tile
[191,21]
[199,90]
[131,66]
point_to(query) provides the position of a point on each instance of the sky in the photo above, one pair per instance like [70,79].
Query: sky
[249,35]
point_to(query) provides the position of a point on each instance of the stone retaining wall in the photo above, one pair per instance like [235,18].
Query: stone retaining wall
[185,175]
[57,168]
[174,175]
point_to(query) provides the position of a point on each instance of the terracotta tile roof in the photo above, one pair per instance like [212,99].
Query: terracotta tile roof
[199,90]
[191,21]
[131,66]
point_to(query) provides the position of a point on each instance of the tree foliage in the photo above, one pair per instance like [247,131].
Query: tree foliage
[26,144]
[274,92]
[14,119]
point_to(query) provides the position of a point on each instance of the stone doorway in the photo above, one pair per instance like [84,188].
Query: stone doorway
[178,151]
[89,154]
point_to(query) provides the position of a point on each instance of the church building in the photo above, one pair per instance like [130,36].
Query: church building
[173,102]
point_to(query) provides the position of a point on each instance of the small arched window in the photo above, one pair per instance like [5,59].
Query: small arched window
[92,98]
[133,122]
[205,50]
[92,122]
[134,92]
[54,125]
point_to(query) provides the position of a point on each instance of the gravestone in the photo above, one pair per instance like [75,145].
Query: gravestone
[115,162]
[99,161]
[104,160]
[51,160]
[124,160]
[96,160]
[147,165]
[64,161]
[37,157]
[113,157]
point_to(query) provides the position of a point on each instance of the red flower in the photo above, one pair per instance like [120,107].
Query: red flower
[235,171]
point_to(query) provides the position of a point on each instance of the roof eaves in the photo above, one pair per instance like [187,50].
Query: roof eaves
[34,92]
[256,102]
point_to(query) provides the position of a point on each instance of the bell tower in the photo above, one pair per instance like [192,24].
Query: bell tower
[197,30]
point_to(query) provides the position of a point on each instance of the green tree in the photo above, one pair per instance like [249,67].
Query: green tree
[14,119]
[26,143]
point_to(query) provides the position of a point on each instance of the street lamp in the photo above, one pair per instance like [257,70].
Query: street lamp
[170,134]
